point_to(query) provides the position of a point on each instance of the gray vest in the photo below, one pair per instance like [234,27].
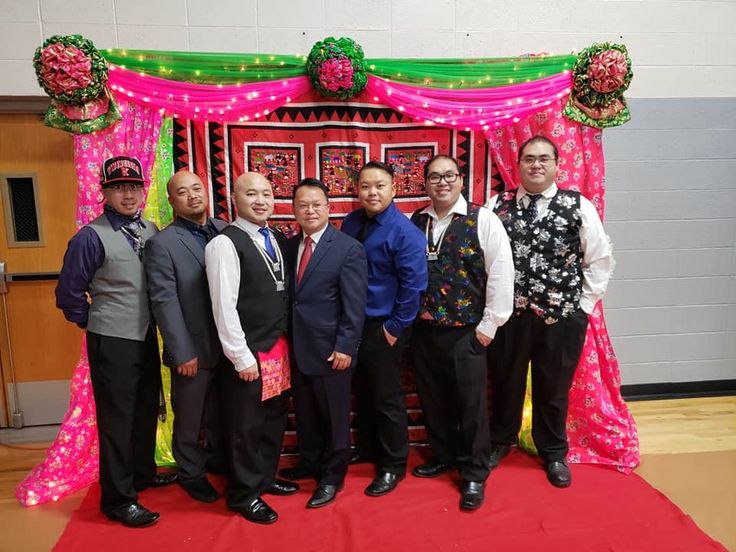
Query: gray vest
[119,301]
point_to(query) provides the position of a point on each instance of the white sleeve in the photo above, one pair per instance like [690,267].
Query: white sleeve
[499,264]
[598,260]
[223,275]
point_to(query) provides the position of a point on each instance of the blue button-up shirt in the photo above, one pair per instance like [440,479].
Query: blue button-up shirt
[397,266]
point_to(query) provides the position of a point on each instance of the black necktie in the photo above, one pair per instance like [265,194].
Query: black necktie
[363,234]
[532,207]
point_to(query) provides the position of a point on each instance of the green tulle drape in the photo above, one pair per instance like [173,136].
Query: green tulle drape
[208,68]
[159,211]
[247,68]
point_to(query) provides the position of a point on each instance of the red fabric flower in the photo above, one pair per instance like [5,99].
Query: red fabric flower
[336,74]
[65,68]
[607,71]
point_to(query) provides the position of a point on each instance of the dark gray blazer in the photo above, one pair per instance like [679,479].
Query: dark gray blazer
[180,297]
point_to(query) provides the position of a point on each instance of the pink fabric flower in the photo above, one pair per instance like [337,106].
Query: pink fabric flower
[607,71]
[65,68]
[336,74]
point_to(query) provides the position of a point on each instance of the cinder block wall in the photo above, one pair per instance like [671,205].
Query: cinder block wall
[671,214]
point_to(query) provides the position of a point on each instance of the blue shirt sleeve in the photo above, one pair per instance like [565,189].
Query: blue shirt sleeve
[84,255]
[410,264]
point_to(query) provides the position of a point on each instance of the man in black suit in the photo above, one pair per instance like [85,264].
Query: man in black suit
[177,287]
[329,283]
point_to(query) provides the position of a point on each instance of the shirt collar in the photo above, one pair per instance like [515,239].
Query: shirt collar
[117,220]
[193,226]
[547,194]
[460,208]
[317,235]
[385,215]
[250,227]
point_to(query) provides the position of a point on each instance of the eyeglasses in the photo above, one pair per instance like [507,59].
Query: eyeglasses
[543,159]
[449,177]
[316,207]
[125,187]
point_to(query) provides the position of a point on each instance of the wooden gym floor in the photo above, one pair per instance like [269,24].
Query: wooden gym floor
[688,451]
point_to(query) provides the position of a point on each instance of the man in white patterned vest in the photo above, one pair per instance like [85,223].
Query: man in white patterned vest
[563,263]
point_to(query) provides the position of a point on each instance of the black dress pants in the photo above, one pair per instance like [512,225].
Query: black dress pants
[255,434]
[381,407]
[126,379]
[554,352]
[194,409]
[322,408]
[452,382]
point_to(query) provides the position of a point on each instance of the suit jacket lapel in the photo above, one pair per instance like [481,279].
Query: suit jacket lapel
[323,245]
[189,241]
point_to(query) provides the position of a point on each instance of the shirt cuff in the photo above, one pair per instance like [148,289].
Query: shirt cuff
[587,304]
[393,327]
[487,328]
[242,363]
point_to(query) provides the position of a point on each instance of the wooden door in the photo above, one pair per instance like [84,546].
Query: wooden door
[45,348]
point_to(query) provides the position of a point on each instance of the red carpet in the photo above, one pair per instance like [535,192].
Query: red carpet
[602,511]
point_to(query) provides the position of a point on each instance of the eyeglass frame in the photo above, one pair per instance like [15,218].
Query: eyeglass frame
[543,160]
[440,177]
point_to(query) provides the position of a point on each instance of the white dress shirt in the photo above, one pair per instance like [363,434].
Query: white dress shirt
[223,275]
[598,260]
[315,239]
[497,259]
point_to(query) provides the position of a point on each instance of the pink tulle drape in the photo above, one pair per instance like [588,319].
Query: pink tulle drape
[209,102]
[600,427]
[473,108]
[72,461]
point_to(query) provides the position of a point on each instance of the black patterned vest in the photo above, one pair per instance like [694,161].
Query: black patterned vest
[547,255]
[456,294]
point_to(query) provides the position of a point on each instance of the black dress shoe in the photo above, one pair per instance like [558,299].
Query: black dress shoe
[279,487]
[383,483]
[558,473]
[471,497]
[498,453]
[163,479]
[200,489]
[430,469]
[134,515]
[298,472]
[323,495]
[258,512]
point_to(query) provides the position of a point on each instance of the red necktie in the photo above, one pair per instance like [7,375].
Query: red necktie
[304,261]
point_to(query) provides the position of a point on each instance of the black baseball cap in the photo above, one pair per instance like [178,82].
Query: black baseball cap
[121,169]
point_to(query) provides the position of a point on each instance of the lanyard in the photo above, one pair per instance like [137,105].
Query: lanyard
[433,249]
[273,267]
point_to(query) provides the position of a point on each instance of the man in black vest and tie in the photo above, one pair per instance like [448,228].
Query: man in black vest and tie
[563,263]
[103,261]
[248,283]
[180,300]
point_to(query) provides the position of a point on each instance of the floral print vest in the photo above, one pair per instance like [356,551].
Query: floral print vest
[547,255]
[456,292]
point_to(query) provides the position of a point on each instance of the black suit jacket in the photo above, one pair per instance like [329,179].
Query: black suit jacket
[180,297]
[328,307]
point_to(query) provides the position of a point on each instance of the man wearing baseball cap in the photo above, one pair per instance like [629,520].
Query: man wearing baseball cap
[102,289]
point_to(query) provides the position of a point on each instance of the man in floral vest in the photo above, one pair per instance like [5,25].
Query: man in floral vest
[470,294]
[563,263]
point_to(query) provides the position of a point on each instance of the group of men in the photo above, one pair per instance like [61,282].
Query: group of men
[248,318]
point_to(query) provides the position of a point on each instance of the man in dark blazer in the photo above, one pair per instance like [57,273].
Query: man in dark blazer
[329,283]
[180,300]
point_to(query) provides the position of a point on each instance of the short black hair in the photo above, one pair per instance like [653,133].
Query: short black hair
[380,165]
[437,157]
[313,183]
[535,139]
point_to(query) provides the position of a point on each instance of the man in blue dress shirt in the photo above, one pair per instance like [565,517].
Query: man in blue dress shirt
[397,275]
